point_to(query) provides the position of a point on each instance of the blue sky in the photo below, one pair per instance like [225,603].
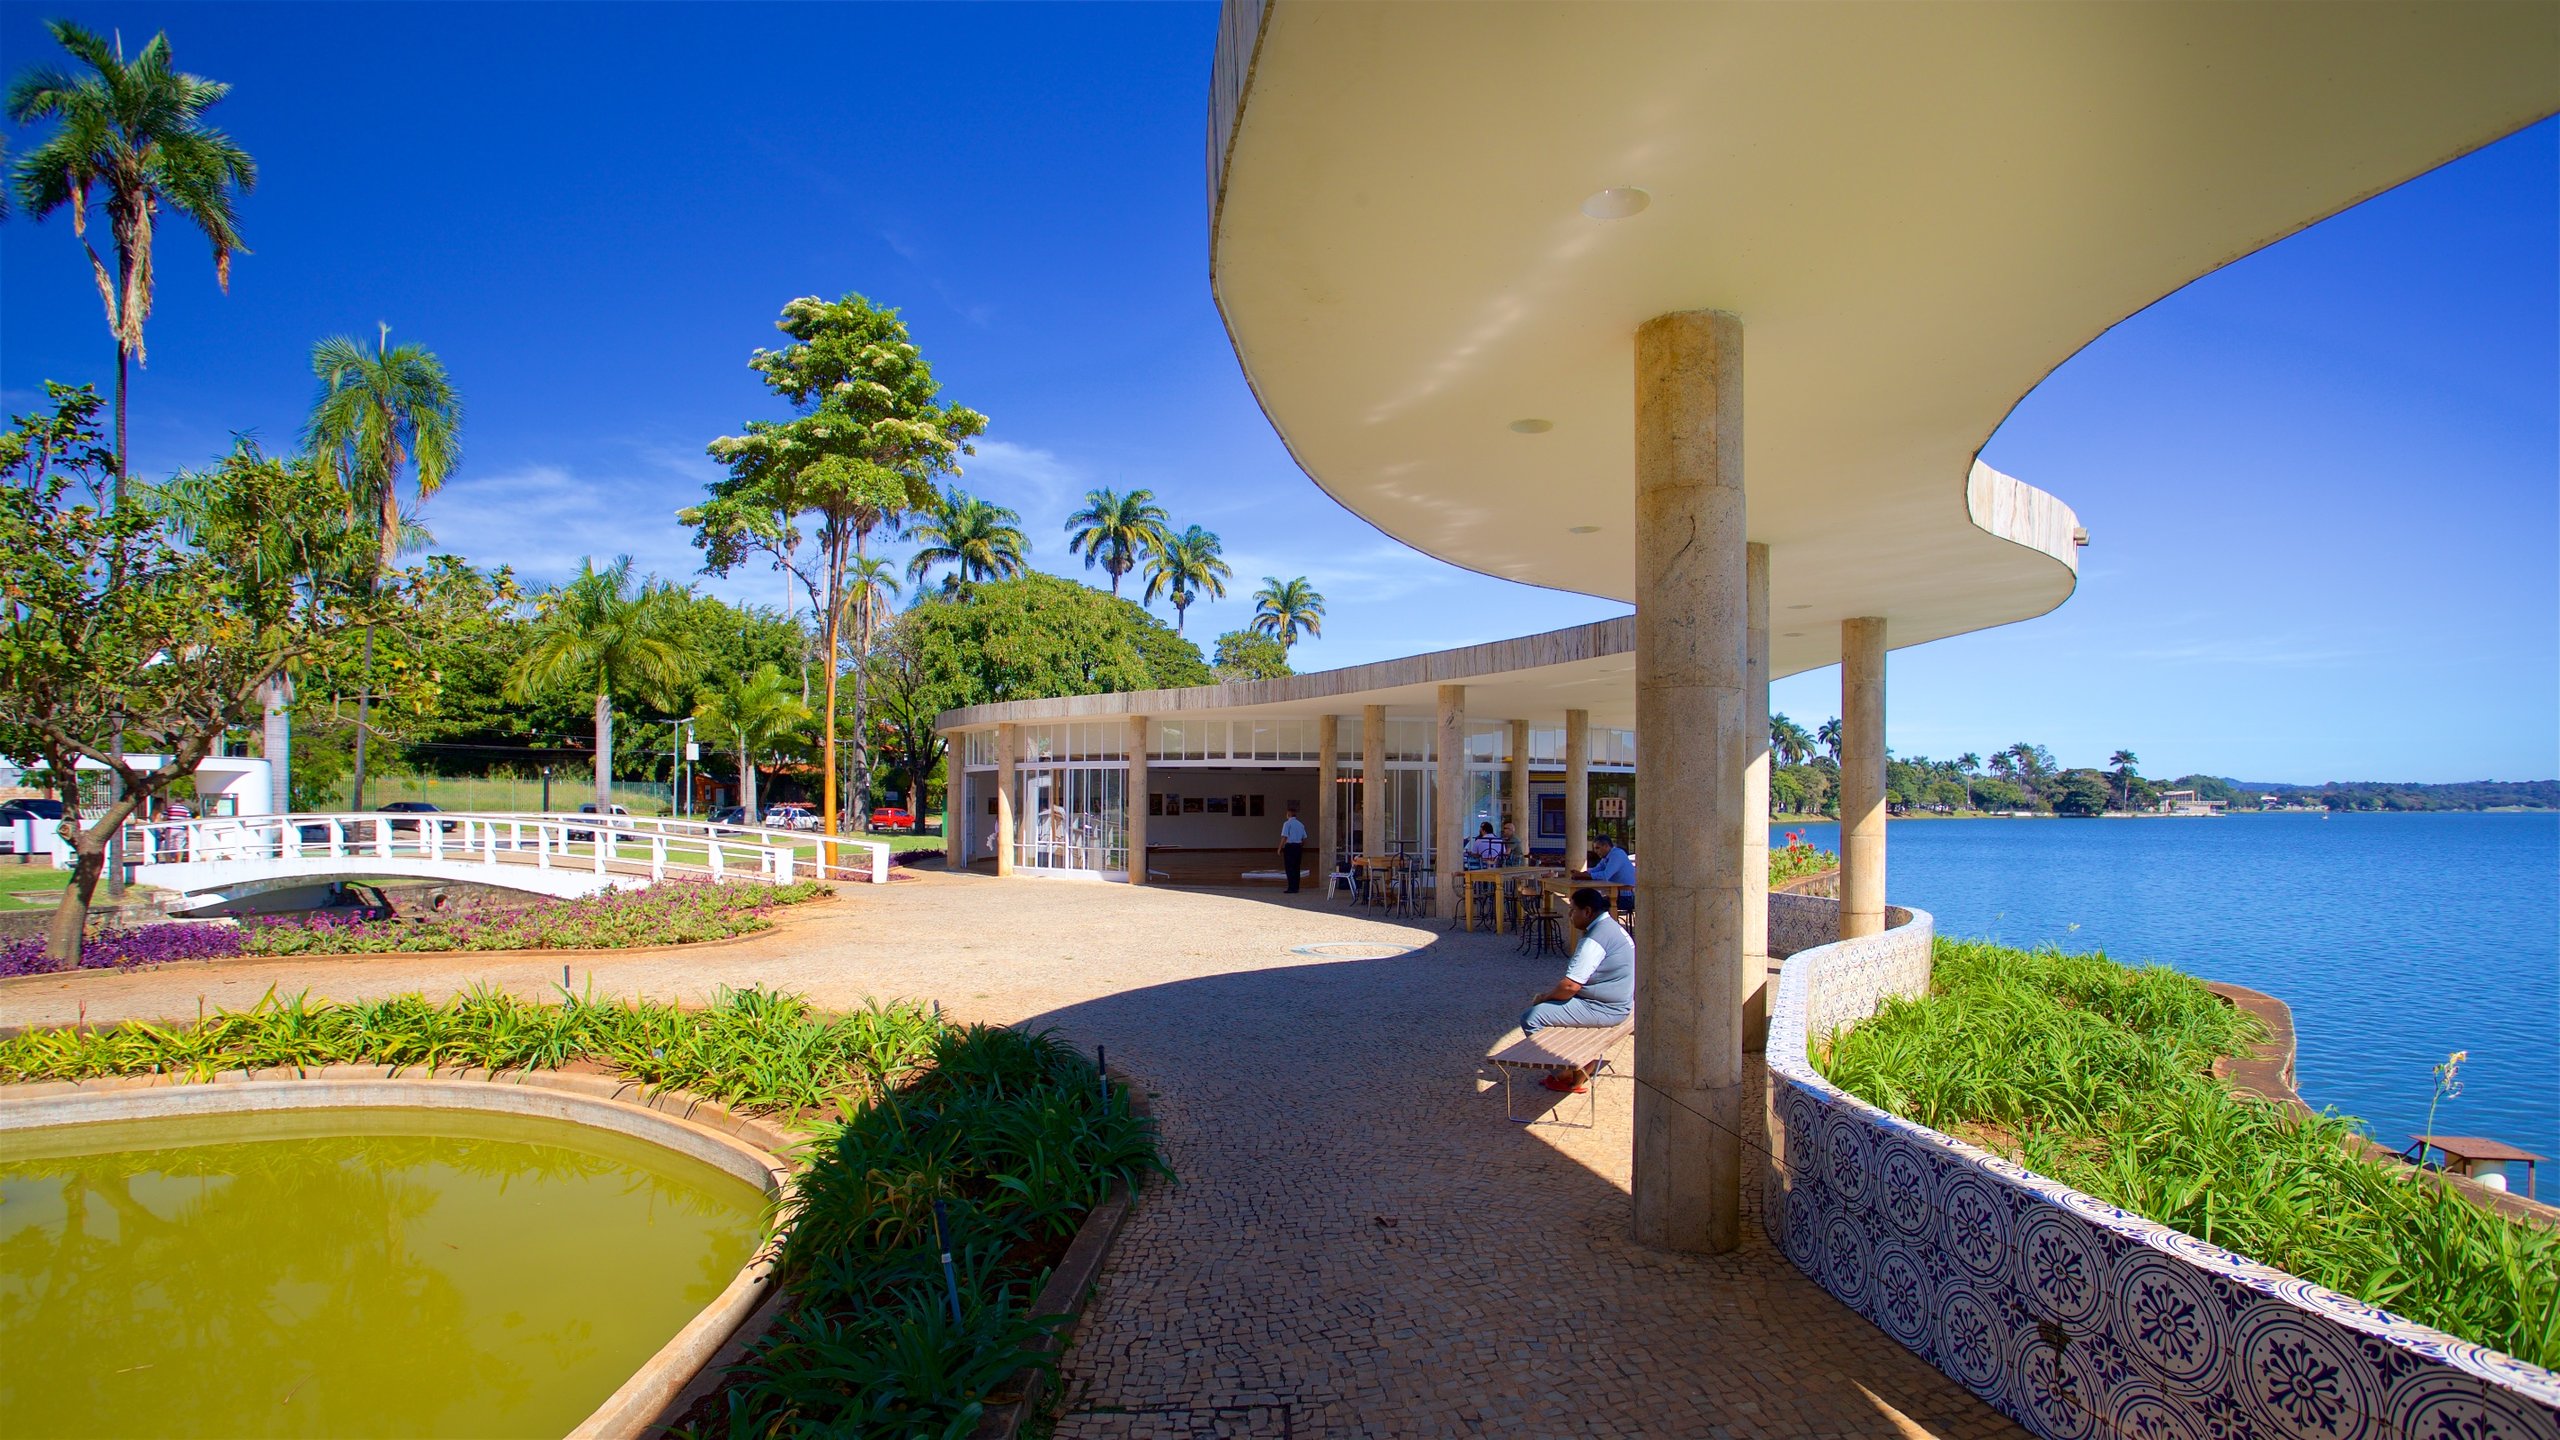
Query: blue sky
[2321,482]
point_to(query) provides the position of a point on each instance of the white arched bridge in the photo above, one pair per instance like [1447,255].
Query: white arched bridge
[561,855]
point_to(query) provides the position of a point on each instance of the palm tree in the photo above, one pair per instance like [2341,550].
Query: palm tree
[597,635]
[1187,565]
[2122,762]
[1789,740]
[1968,762]
[135,133]
[1287,609]
[978,539]
[381,412]
[758,712]
[1116,531]
[1828,736]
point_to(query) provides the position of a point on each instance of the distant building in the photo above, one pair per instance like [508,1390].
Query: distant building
[2186,802]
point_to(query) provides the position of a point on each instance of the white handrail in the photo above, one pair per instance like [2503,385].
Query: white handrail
[614,844]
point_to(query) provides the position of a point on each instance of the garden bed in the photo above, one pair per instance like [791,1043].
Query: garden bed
[2102,1078]
[1006,1140]
[671,912]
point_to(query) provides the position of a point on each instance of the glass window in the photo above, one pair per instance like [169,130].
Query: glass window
[1546,747]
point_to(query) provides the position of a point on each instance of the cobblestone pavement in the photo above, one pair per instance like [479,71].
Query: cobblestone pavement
[1359,1243]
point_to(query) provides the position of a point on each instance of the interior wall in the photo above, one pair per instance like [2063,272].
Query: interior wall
[1203,830]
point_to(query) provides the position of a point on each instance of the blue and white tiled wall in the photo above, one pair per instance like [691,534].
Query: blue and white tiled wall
[2073,1317]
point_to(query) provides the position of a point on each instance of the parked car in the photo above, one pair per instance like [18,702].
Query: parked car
[416,807]
[891,817]
[25,823]
[42,809]
[589,809]
[729,815]
[791,815]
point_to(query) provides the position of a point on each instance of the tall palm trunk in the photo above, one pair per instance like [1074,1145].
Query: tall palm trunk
[834,632]
[862,683]
[604,752]
[115,780]
[746,783]
[364,720]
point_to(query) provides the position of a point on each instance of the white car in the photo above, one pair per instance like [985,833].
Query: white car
[791,816]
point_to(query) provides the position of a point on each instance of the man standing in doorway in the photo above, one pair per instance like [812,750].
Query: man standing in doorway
[1293,846]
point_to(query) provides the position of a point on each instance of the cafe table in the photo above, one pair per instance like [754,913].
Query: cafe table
[1562,889]
[1500,880]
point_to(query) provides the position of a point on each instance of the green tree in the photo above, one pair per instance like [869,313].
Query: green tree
[133,135]
[1037,636]
[120,623]
[1248,655]
[1116,531]
[1828,735]
[1788,741]
[755,714]
[2081,792]
[977,539]
[2122,763]
[1187,566]
[868,440]
[599,637]
[380,414]
[1288,609]
[1967,763]
[1998,793]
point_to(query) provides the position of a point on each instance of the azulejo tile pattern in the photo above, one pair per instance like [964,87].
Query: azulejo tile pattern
[2072,1316]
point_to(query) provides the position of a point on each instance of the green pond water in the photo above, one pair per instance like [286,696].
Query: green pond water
[346,1272]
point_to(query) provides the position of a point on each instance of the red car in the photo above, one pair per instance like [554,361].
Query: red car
[891,817]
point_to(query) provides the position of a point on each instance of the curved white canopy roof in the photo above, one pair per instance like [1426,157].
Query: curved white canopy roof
[1918,211]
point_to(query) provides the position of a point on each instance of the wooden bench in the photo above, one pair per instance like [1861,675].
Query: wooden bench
[1560,1047]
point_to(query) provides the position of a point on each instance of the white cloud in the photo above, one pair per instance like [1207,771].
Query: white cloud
[544,519]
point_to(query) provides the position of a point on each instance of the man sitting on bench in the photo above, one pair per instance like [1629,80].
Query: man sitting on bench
[1599,984]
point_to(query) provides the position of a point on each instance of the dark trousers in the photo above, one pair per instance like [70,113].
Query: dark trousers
[1291,857]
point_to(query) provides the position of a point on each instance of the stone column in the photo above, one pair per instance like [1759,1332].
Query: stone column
[1861,777]
[955,805]
[1135,797]
[1520,782]
[1449,798]
[1577,788]
[1755,802]
[1373,779]
[1008,740]
[1328,792]
[1692,646]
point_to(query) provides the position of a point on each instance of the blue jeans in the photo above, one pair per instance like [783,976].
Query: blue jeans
[1576,1011]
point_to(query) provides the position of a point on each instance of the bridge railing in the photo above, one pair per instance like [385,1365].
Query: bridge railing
[612,845]
[826,857]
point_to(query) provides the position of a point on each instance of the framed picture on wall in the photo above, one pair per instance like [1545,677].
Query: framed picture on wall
[1237,803]
[1217,804]
[991,804]
[1257,804]
[1155,803]
[1193,804]
[1550,817]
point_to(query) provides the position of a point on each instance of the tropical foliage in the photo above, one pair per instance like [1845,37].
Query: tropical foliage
[1286,610]
[599,636]
[2100,1076]
[1187,567]
[755,714]
[132,136]
[970,538]
[1117,531]
[1251,655]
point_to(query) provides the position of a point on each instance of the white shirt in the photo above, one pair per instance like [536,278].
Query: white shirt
[1604,965]
[1292,833]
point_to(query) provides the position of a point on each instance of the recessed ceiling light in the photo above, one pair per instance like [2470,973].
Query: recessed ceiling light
[1583,530]
[1795,635]
[1799,607]
[1616,203]
[1532,427]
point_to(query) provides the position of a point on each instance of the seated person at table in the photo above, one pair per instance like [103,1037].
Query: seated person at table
[1512,851]
[1599,984]
[1485,850]
[1610,865]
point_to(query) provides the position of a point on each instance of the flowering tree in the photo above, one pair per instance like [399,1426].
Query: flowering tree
[162,622]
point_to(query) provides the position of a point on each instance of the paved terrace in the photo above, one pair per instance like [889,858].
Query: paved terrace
[1360,1243]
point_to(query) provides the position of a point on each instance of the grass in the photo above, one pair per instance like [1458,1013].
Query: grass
[1006,1139]
[2099,1076]
[41,880]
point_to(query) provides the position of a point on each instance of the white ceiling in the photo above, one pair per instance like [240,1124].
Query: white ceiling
[1918,210]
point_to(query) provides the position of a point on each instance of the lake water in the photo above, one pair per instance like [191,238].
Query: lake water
[2397,939]
[357,1272]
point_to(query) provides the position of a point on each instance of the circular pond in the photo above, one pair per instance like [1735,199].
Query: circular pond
[347,1271]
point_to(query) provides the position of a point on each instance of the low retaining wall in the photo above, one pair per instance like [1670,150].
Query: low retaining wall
[2069,1315]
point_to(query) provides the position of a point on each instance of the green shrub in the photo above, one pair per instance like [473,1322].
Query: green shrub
[2100,1077]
